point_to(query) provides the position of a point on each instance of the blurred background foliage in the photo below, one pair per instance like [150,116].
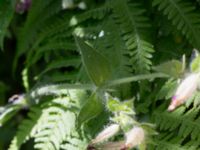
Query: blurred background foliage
[61,59]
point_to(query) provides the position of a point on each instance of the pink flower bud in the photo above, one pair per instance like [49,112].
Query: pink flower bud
[134,137]
[185,90]
[106,133]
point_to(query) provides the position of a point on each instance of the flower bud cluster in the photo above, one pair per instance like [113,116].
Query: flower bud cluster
[133,138]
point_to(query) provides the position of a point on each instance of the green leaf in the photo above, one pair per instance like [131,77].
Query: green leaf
[195,65]
[6,14]
[173,68]
[97,66]
[90,109]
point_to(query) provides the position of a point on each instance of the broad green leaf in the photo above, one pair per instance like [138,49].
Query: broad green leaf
[90,109]
[195,64]
[173,68]
[97,66]
[6,14]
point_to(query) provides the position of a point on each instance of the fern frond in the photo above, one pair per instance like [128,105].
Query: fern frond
[167,120]
[183,16]
[50,134]
[169,141]
[35,56]
[96,13]
[25,128]
[167,90]
[70,62]
[190,124]
[35,23]
[133,25]
[74,143]
[186,124]
[6,14]
[51,123]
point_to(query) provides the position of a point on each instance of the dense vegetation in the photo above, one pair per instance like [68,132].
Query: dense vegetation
[71,68]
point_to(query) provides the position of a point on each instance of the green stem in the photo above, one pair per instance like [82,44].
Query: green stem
[137,78]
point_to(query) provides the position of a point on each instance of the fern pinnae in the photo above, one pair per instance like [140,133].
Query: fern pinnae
[190,124]
[168,142]
[33,24]
[186,123]
[25,39]
[48,124]
[24,131]
[134,24]
[180,13]
[60,45]
[6,14]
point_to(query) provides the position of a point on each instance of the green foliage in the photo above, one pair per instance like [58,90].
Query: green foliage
[195,64]
[91,59]
[6,14]
[92,107]
[134,24]
[51,123]
[184,16]
[80,69]
[173,68]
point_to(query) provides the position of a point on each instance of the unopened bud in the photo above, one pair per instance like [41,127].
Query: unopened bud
[134,137]
[184,91]
[106,133]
